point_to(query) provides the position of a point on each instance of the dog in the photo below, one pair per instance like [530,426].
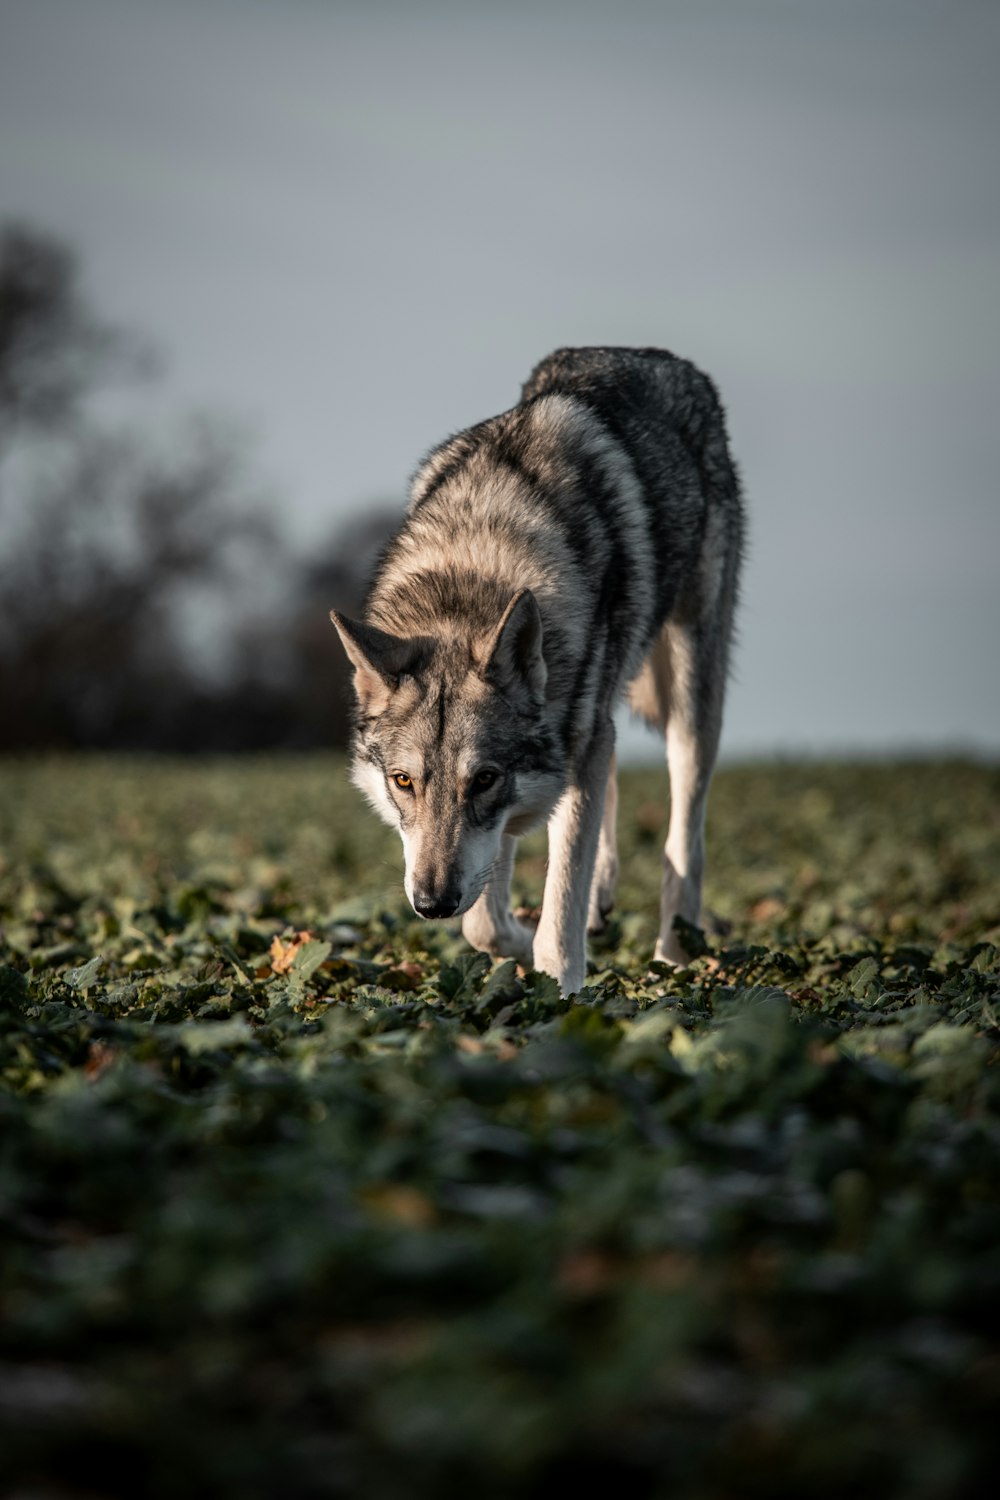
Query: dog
[582,547]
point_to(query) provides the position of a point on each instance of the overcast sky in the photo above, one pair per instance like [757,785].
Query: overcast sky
[358,226]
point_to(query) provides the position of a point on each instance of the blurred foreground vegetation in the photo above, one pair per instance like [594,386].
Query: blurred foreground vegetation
[300,1197]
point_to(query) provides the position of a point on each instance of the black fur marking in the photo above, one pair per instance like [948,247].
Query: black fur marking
[455,466]
[611,625]
[416,600]
[483,811]
[562,505]
[463,445]
[537,751]
[441,704]
[615,385]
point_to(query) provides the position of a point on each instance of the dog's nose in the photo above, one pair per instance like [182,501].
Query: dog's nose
[429,904]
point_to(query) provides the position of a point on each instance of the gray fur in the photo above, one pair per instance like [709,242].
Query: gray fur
[581,546]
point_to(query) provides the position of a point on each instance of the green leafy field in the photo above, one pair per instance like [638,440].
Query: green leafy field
[355,1213]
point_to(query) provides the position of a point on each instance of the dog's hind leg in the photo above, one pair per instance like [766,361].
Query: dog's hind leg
[490,924]
[692,741]
[697,678]
[681,689]
[602,887]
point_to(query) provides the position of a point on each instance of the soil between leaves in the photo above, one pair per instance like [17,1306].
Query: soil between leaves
[298,1196]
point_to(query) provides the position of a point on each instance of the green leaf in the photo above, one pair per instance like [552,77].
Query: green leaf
[309,957]
[197,1037]
[460,981]
[502,988]
[861,976]
[654,1025]
[83,977]
[589,1025]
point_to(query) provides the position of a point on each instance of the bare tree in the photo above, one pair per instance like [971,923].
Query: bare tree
[112,534]
[53,350]
[129,565]
[92,589]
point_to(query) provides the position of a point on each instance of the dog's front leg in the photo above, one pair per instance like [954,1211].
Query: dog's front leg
[560,947]
[489,924]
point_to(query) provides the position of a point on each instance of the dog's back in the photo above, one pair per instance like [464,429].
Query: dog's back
[666,415]
[596,492]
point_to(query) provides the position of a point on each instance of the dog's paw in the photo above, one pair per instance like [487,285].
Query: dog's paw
[568,973]
[602,896]
[515,940]
[680,944]
[597,917]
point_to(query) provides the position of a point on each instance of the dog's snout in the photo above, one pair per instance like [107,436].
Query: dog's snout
[436,904]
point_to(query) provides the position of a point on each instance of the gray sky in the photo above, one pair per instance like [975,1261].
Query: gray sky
[359,226]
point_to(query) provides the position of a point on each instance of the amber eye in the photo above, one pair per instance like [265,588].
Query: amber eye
[483,780]
[404,782]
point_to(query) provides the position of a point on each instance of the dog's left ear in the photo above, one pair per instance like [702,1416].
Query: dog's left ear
[379,659]
[513,658]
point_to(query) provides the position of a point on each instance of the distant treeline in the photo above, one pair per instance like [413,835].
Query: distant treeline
[148,599]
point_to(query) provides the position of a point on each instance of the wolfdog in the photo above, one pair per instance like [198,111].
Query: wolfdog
[583,546]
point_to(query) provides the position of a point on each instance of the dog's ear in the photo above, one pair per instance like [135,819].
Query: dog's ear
[513,658]
[379,659]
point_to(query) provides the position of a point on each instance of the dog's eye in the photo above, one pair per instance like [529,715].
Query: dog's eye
[404,782]
[483,780]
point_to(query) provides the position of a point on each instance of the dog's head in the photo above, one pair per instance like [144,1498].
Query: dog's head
[452,746]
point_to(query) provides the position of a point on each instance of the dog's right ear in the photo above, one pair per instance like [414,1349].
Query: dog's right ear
[379,659]
[513,656]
